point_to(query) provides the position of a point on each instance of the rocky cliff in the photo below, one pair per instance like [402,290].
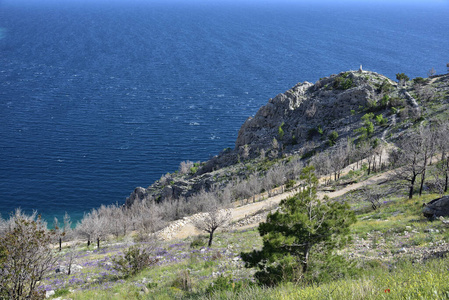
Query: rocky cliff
[300,121]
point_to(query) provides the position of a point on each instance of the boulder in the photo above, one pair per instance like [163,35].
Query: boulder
[139,193]
[437,208]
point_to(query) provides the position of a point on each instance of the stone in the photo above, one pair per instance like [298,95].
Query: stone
[436,208]
[139,193]
[50,293]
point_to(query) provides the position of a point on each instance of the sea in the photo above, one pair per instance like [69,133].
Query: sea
[98,97]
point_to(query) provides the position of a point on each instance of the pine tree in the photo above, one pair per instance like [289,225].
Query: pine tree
[302,226]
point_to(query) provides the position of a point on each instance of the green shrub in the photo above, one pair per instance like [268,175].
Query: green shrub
[290,184]
[135,259]
[386,86]
[384,101]
[183,281]
[333,136]
[198,242]
[61,292]
[226,283]
[380,120]
[281,131]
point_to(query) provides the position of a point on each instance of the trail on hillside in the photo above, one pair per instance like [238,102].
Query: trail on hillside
[184,228]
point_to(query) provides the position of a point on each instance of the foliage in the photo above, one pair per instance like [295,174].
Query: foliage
[135,259]
[302,225]
[419,81]
[402,76]
[343,82]
[384,101]
[227,283]
[380,120]
[386,86]
[290,183]
[367,130]
[25,257]
[332,138]
[198,242]
[281,131]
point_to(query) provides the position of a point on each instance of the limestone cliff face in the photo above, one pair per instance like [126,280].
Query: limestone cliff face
[327,104]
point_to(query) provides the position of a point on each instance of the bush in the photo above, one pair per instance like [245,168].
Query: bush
[135,260]
[25,257]
[290,184]
[384,101]
[226,283]
[380,120]
[183,281]
[198,242]
[333,136]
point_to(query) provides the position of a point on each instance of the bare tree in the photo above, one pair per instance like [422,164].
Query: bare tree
[337,161]
[408,160]
[245,151]
[212,219]
[185,166]
[431,72]
[274,153]
[26,257]
[427,136]
[375,195]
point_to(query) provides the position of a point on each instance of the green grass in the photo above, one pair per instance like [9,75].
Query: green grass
[383,270]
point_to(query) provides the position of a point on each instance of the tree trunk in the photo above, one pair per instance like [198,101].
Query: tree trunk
[211,236]
[412,184]
[306,259]
[447,179]
[422,181]
[98,243]
[60,244]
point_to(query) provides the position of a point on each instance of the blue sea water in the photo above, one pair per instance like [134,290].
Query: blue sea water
[98,97]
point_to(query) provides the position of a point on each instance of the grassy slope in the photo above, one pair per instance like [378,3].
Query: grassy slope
[393,247]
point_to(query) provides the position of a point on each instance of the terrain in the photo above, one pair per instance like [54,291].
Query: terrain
[358,129]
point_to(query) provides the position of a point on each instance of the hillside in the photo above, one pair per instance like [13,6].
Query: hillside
[307,119]
[379,148]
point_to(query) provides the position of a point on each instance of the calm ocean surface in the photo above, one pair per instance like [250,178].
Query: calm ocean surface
[98,97]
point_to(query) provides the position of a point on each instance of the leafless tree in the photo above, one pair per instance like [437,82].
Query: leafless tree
[214,218]
[245,151]
[408,160]
[427,136]
[375,195]
[337,162]
[185,166]
[431,72]
[274,153]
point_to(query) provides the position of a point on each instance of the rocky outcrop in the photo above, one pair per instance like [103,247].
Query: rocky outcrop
[437,208]
[139,194]
[327,104]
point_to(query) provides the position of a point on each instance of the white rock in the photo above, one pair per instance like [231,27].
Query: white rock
[50,293]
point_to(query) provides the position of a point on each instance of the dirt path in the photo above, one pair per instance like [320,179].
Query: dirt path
[184,228]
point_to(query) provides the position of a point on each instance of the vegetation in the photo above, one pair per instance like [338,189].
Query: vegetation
[25,258]
[302,225]
[300,249]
